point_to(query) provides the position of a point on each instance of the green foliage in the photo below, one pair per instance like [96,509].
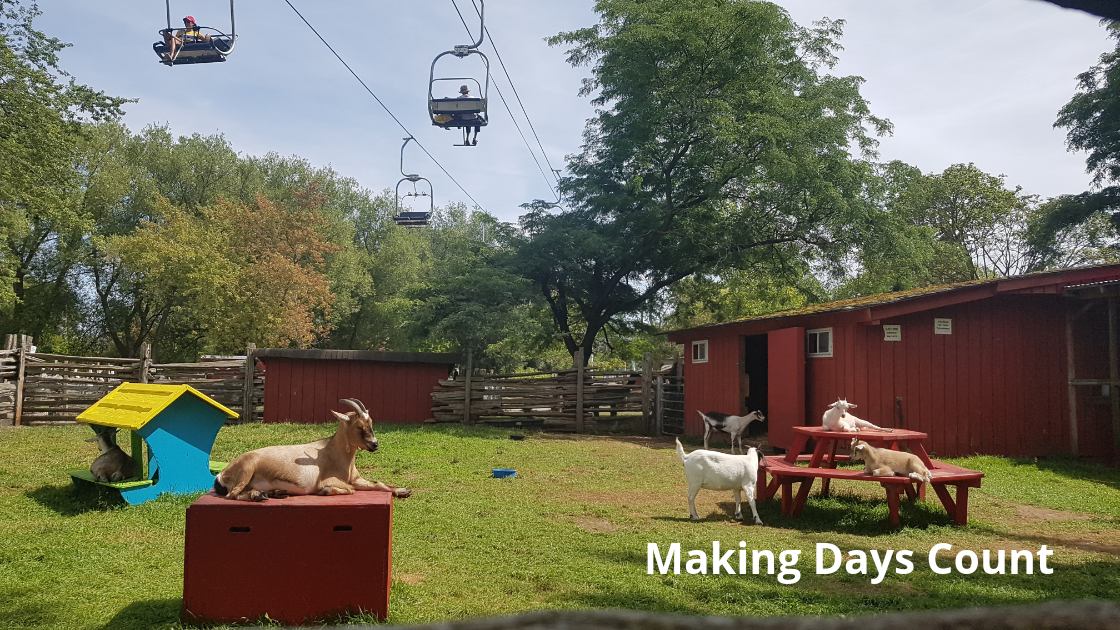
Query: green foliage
[701,300]
[720,143]
[41,223]
[1092,122]
[958,225]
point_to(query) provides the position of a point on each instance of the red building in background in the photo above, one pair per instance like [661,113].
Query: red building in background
[304,385]
[1020,366]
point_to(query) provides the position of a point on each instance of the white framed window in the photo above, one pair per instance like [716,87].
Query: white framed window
[700,351]
[818,342]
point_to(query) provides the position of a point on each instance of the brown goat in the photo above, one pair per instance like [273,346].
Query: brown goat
[323,467]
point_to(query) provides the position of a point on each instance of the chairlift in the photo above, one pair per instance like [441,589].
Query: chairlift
[196,49]
[413,218]
[461,112]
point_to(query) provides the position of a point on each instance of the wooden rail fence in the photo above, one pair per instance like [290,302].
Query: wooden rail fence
[575,400]
[42,388]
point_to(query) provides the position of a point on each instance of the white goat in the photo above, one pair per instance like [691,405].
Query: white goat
[735,426]
[883,462]
[113,464]
[323,467]
[713,470]
[837,418]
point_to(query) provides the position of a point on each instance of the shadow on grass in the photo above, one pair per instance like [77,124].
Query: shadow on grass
[150,613]
[1075,469]
[849,514]
[25,608]
[71,501]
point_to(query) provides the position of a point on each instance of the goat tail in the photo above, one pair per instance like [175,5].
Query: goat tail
[219,489]
[680,451]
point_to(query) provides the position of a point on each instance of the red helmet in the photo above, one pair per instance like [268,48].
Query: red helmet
[189,18]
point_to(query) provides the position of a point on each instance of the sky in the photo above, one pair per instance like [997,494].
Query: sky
[962,81]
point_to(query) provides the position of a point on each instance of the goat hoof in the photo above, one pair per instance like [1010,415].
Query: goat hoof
[738,517]
[257,495]
[402,493]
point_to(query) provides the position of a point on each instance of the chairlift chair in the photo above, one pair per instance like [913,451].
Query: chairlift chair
[197,51]
[457,112]
[411,218]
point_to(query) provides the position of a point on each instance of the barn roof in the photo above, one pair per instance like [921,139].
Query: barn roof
[875,307]
[132,405]
[442,358]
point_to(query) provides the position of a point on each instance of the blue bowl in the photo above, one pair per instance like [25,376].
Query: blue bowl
[504,472]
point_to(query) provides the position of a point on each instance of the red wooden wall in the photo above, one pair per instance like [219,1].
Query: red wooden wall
[711,386]
[996,385]
[305,390]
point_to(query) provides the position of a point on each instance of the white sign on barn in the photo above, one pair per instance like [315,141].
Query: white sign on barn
[892,332]
[942,326]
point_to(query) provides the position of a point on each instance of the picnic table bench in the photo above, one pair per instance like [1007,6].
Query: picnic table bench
[822,464]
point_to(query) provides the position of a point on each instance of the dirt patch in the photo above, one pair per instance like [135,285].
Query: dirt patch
[594,525]
[412,579]
[1033,514]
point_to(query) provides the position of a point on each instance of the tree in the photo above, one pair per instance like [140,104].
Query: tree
[223,275]
[1092,122]
[720,143]
[41,114]
[979,223]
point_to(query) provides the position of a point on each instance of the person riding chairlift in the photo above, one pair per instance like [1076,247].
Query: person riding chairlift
[186,35]
[465,92]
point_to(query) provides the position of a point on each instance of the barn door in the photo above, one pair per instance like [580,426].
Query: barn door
[786,376]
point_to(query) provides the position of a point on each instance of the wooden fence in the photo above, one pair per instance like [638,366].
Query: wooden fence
[41,388]
[577,400]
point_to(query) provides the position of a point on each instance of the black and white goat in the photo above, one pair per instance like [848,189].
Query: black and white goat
[735,426]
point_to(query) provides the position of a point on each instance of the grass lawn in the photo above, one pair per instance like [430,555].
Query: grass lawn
[569,532]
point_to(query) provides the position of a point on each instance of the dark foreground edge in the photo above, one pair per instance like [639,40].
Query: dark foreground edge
[1087,615]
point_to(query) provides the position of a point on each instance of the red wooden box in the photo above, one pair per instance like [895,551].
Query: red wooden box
[297,560]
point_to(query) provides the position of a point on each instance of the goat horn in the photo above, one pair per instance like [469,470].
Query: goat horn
[353,403]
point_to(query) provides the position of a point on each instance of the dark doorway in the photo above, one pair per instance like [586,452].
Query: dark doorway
[753,375]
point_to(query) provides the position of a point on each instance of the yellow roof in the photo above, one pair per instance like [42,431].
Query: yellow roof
[132,405]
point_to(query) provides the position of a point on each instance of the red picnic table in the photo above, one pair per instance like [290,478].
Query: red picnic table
[822,464]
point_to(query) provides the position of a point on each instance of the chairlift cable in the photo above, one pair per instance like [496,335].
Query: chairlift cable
[379,102]
[506,104]
[517,95]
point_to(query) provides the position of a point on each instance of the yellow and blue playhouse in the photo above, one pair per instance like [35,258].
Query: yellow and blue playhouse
[179,425]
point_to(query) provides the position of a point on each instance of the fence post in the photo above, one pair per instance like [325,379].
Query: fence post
[578,360]
[9,342]
[660,417]
[247,407]
[467,389]
[647,392]
[24,348]
[145,361]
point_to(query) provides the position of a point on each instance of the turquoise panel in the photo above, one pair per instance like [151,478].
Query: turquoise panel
[179,441]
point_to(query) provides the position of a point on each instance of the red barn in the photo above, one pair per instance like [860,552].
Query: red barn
[1021,366]
[304,385]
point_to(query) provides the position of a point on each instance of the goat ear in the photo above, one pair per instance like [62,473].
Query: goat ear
[340,416]
[860,447]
